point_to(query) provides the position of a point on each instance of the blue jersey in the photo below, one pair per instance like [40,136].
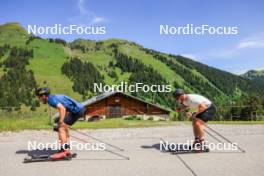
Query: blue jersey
[69,104]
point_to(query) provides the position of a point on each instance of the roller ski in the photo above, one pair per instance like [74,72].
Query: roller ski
[194,148]
[174,148]
[55,157]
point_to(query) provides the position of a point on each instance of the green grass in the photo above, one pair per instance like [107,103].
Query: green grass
[46,64]
[163,69]
[47,61]
[121,77]
[120,123]
[17,124]
[95,57]
[48,57]
[59,84]
[15,32]
[42,122]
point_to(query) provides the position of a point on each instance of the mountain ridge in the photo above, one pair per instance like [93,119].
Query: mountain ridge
[50,55]
[256,75]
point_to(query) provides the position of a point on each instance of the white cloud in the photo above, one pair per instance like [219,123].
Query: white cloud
[191,56]
[254,41]
[86,16]
[238,58]
[258,43]
[81,8]
[98,20]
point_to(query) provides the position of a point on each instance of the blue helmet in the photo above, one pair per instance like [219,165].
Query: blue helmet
[42,91]
[178,92]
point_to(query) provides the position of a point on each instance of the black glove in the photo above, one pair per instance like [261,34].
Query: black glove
[56,124]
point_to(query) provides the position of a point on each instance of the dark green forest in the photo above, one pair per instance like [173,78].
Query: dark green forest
[146,75]
[83,75]
[17,84]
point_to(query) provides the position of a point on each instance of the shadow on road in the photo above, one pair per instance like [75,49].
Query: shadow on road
[154,146]
[47,151]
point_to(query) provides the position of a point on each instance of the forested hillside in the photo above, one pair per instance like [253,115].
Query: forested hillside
[254,75]
[71,68]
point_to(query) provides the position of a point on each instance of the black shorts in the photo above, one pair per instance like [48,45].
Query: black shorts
[208,114]
[71,118]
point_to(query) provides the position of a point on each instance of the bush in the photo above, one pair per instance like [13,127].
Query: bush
[150,118]
[133,117]
[174,116]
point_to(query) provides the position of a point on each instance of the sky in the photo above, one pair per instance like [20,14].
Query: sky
[139,21]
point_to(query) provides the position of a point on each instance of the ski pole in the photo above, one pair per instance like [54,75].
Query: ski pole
[207,132]
[112,152]
[97,139]
[183,162]
[242,150]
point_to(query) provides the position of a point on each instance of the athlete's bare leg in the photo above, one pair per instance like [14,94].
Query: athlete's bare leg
[195,131]
[63,134]
[199,126]
[68,135]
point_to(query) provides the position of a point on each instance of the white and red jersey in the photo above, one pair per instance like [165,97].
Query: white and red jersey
[193,101]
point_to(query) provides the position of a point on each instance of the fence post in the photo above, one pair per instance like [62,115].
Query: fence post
[50,115]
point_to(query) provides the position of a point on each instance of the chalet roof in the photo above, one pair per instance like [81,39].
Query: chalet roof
[108,94]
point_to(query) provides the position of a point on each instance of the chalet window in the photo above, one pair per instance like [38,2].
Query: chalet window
[117,99]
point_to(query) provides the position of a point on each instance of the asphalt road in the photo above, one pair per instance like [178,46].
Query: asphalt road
[140,145]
